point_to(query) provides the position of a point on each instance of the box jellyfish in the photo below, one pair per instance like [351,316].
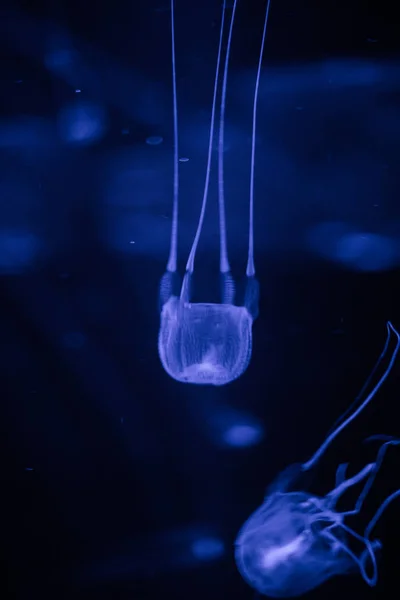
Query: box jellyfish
[209,343]
[296,540]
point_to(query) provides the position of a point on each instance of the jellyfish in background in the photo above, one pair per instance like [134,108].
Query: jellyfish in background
[206,343]
[296,541]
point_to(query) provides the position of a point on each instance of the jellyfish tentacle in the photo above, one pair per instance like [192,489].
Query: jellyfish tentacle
[223,259]
[320,505]
[378,463]
[186,290]
[376,467]
[335,494]
[250,269]
[380,512]
[169,286]
[370,580]
[327,534]
[317,455]
[252,296]
[369,548]
[380,437]
[366,554]
[367,382]
[227,288]
[173,251]
[192,255]
[341,473]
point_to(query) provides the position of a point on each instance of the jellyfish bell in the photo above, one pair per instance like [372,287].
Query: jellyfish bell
[204,343]
[297,540]
[279,554]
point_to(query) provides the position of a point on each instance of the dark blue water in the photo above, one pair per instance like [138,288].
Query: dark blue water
[120,482]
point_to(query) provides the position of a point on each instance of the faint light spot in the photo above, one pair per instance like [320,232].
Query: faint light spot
[183,159]
[234,428]
[125,131]
[18,81]
[17,250]
[372,40]
[122,420]
[82,123]
[154,140]
[28,469]
[366,251]
[362,251]
[60,56]
[207,548]
[120,228]
[132,242]
[78,91]
[242,436]
[73,339]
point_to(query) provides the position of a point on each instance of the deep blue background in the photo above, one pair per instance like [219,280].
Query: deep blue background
[111,470]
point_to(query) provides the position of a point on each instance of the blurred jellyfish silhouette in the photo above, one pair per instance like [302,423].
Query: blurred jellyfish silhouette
[231,428]
[357,250]
[296,540]
[168,551]
[82,123]
[207,343]
[19,249]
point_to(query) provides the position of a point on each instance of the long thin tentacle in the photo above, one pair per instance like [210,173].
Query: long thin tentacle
[370,580]
[341,474]
[377,465]
[192,255]
[317,455]
[224,261]
[250,269]
[380,512]
[366,385]
[173,251]
[335,494]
